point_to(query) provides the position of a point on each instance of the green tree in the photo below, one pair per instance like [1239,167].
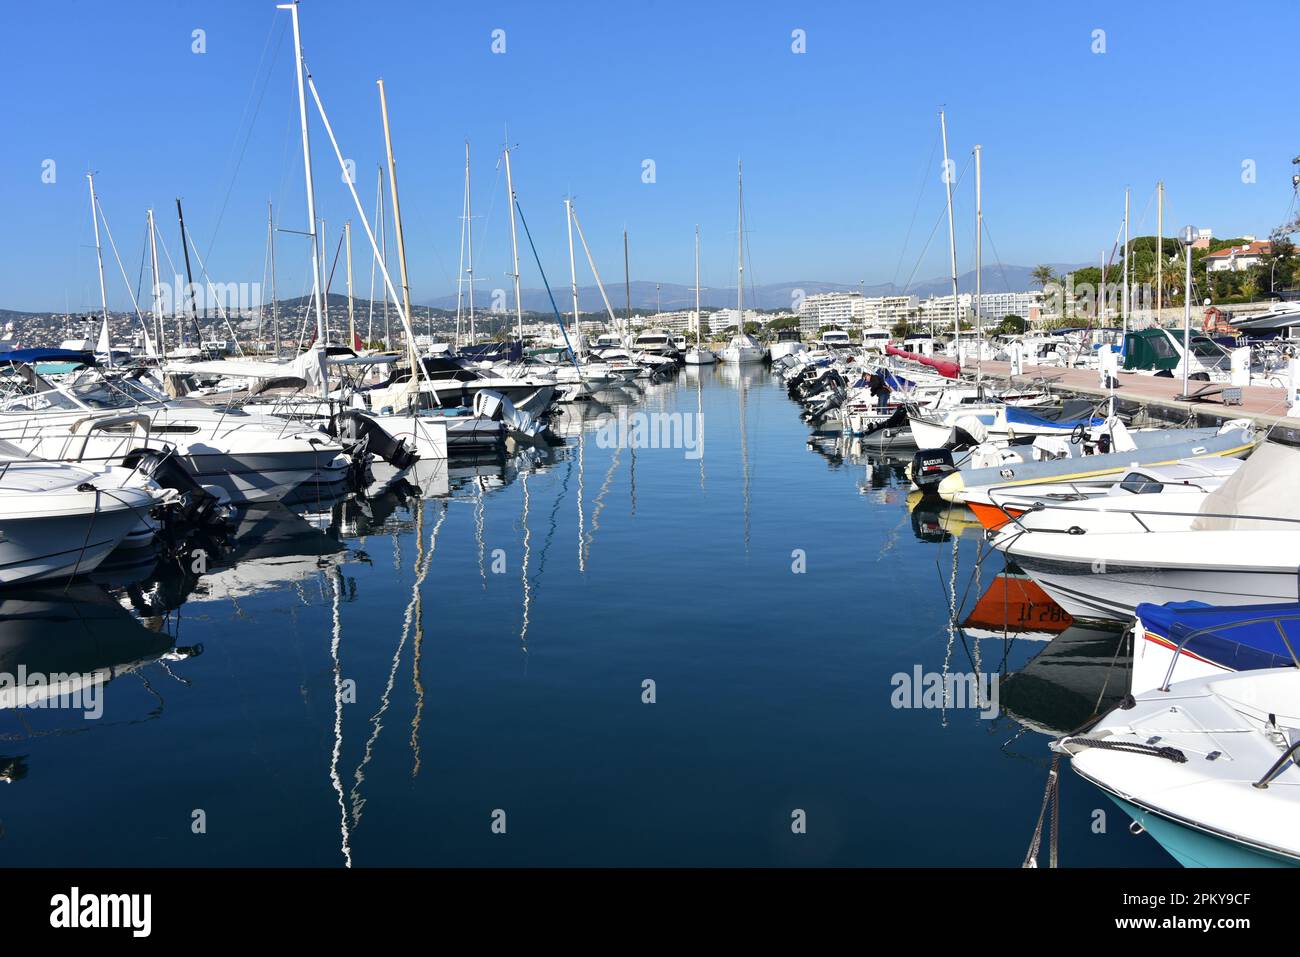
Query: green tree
[1043,275]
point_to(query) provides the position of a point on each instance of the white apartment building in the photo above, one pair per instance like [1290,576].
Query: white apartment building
[937,311]
[851,308]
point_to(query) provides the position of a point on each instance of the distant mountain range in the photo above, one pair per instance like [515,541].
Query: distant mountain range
[673,296]
[668,296]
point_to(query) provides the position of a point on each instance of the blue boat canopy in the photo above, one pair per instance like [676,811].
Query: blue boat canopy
[1019,416]
[29,356]
[1239,637]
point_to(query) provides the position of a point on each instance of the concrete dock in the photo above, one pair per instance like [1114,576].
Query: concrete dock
[1158,396]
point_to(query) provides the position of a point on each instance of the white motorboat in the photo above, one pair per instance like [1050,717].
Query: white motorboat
[250,456]
[1242,547]
[61,520]
[1207,767]
[1154,497]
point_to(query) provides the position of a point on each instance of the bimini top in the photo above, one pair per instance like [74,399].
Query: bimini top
[30,356]
[1240,637]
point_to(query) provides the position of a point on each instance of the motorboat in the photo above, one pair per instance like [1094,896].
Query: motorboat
[1207,766]
[1242,547]
[249,456]
[61,520]
[1111,449]
[1156,497]
[787,343]
[1190,639]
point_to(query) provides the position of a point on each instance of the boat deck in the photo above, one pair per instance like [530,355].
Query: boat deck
[1267,407]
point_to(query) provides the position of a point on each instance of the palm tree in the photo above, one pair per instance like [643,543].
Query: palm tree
[1043,275]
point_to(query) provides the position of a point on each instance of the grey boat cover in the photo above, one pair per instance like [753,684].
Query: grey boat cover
[1259,493]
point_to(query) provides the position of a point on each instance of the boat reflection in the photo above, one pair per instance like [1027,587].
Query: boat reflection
[1081,673]
[58,649]
[934,520]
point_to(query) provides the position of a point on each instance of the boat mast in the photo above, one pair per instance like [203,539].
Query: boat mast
[979,269]
[1126,263]
[318,283]
[740,248]
[1160,244]
[952,239]
[160,340]
[397,224]
[99,258]
[352,322]
[627,289]
[189,277]
[573,268]
[275,304]
[514,249]
[697,287]
[469,243]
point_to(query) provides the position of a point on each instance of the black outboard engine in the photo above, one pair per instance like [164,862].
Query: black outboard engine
[359,433]
[930,467]
[197,506]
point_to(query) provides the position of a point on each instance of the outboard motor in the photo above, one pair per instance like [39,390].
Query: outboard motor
[198,506]
[930,467]
[358,433]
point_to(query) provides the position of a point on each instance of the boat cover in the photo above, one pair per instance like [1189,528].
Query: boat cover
[1264,487]
[1019,416]
[1149,350]
[1240,637]
[29,356]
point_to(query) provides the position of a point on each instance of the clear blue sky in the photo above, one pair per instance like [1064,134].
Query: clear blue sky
[837,142]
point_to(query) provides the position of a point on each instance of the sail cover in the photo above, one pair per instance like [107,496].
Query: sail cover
[1257,495]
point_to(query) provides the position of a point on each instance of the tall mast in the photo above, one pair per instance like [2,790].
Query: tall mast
[627,288]
[1101,311]
[99,258]
[514,248]
[1126,262]
[740,247]
[275,303]
[383,253]
[952,239]
[979,269]
[573,268]
[697,286]
[325,294]
[352,321]
[397,222]
[318,283]
[189,276]
[469,242]
[159,339]
[1160,244]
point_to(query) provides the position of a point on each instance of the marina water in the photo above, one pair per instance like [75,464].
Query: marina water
[596,654]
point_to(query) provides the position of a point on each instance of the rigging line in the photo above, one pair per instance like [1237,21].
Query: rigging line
[916,208]
[126,282]
[252,121]
[997,258]
[935,229]
[144,252]
[221,310]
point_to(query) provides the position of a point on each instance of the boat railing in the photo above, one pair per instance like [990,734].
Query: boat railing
[1136,514]
[1209,629]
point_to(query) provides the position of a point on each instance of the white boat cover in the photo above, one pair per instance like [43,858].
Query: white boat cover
[1264,487]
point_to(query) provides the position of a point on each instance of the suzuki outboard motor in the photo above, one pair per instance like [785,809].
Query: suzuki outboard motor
[930,467]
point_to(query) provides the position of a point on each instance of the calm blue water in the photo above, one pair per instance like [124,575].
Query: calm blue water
[376,679]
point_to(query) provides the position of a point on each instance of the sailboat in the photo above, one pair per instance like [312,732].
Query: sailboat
[743,348]
[698,356]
